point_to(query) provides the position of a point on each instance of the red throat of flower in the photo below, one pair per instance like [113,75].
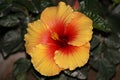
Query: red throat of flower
[61,41]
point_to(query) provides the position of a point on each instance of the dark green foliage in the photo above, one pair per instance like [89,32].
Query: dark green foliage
[105,70]
[78,73]
[95,42]
[9,21]
[98,22]
[14,17]
[30,5]
[105,45]
[11,42]
[116,1]
[21,68]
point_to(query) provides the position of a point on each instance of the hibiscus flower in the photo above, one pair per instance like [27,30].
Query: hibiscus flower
[59,40]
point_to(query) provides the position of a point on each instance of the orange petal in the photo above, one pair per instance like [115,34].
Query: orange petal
[34,30]
[65,12]
[72,57]
[52,15]
[79,29]
[43,62]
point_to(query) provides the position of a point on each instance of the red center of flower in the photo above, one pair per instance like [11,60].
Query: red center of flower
[61,41]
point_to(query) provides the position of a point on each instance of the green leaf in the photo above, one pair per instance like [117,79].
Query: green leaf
[106,70]
[93,6]
[98,51]
[44,4]
[98,22]
[59,77]
[114,22]
[113,40]
[102,60]
[1,1]
[21,66]
[115,43]
[93,9]
[29,4]
[78,73]
[116,1]
[11,42]
[63,77]
[17,8]
[113,56]
[82,6]
[9,21]
[96,56]
[94,42]
[8,1]
[4,7]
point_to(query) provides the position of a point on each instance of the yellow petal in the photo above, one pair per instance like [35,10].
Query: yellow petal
[48,16]
[52,15]
[65,12]
[72,57]
[43,62]
[81,25]
[32,37]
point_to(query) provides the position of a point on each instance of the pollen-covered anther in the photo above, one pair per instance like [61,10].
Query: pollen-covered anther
[61,41]
[54,36]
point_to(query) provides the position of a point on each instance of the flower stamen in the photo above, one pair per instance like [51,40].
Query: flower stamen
[54,36]
[60,40]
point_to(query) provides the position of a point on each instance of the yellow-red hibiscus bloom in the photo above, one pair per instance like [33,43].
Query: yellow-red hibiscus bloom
[59,40]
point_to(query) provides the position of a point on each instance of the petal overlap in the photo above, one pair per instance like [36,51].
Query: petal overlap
[43,61]
[75,57]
